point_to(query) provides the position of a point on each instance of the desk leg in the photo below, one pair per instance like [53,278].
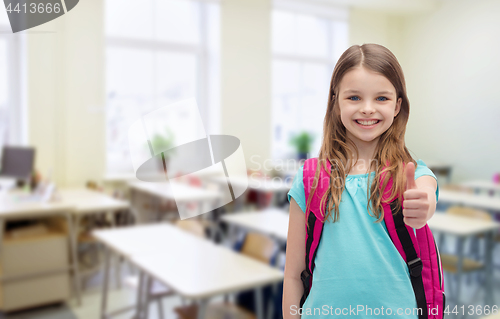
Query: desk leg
[270,303]
[460,260]
[148,285]
[2,225]
[488,300]
[202,309]
[73,237]
[441,241]
[105,283]
[259,303]
[140,294]
[231,235]
[110,215]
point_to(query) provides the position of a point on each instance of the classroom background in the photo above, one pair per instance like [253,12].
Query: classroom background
[82,237]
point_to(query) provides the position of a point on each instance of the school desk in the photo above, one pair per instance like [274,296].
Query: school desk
[463,228]
[87,202]
[193,267]
[127,242]
[482,186]
[272,222]
[276,186]
[185,195]
[77,202]
[489,203]
[12,207]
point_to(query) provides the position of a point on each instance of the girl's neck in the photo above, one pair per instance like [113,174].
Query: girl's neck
[366,152]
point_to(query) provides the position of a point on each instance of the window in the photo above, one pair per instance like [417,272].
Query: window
[306,43]
[12,119]
[158,53]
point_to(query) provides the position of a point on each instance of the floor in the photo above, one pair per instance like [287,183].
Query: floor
[91,305]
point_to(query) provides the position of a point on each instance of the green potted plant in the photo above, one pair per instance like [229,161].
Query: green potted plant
[302,142]
[163,142]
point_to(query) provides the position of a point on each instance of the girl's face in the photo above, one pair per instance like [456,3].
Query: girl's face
[368,104]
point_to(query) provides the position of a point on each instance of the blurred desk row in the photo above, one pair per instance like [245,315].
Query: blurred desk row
[198,265]
[47,269]
[53,268]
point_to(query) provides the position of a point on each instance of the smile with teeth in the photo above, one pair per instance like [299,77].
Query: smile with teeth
[367,123]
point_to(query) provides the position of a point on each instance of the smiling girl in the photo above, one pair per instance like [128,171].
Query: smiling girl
[356,263]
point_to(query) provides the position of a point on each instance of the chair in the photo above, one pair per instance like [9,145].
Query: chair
[259,247]
[256,246]
[195,227]
[468,212]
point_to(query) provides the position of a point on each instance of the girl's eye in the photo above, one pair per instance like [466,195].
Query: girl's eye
[353,98]
[382,98]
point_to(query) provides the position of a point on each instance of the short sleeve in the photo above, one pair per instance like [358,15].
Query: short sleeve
[422,170]
[297,190]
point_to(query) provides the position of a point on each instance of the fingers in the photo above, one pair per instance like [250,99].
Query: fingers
[415,212]
[415,194]
[410,176]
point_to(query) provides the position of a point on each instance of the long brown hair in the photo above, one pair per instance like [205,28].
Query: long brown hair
[390,154]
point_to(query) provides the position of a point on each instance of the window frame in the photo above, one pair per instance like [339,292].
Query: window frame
[16,88]
[332,14]
[202,53]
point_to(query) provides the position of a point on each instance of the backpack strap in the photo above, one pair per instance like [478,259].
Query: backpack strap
[403,240]
[420,254]
[314,220]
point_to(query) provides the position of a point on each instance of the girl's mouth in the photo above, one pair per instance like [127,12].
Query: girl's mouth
[367,124]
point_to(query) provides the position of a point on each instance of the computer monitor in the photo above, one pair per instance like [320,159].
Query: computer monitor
[17,162]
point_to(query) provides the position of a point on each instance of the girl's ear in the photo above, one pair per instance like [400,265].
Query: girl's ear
[398,106]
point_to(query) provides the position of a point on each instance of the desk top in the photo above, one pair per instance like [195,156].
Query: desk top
[192,266]
[486,202]
[196,268]
[183,193]
[75,201]
[87,201]
[482,185]
[130,241]
[12,209]
[460,226]
[272,221]
[257,183]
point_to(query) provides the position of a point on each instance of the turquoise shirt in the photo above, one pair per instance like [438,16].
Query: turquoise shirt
[359,272]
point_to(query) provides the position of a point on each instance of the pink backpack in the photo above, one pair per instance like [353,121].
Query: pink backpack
[419,252]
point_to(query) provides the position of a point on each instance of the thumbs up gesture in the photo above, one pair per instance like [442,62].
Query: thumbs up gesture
[416,202]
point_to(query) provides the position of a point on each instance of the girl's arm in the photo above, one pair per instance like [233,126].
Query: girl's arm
[295,262]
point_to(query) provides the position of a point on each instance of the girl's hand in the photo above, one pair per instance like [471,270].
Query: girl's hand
[416,203]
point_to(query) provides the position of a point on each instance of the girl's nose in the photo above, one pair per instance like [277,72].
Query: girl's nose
[367,108]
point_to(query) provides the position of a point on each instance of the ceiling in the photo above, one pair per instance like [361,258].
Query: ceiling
[387,6]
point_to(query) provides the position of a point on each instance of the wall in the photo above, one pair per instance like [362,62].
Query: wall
[452,69]
[66,97]
[246,75]
[449,57]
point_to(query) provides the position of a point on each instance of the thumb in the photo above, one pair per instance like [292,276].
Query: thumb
[410,176]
